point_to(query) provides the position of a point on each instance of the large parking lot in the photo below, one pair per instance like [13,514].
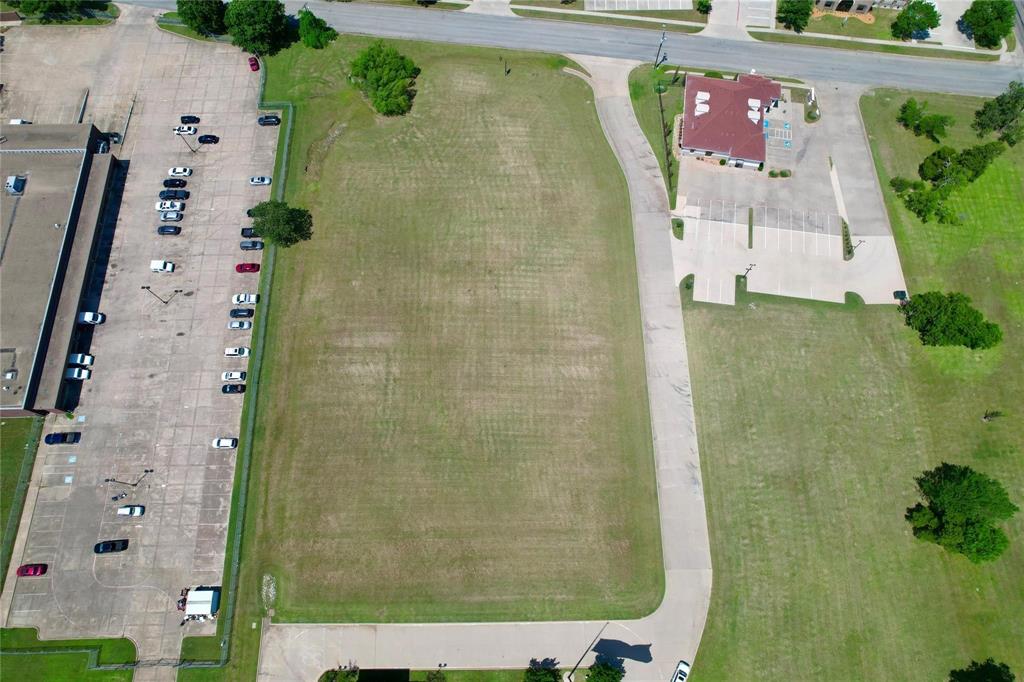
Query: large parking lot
[154,402]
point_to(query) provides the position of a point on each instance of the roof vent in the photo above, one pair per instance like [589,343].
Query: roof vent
[754,103]
[703,96]
[754,115]
[701,109]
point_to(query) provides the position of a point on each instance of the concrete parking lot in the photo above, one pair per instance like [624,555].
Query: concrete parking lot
[154,401]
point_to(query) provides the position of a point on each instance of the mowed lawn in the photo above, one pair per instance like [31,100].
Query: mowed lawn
[453,419]
[813,421]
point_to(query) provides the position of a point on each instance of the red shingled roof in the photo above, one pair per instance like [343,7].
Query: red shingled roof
[725,127]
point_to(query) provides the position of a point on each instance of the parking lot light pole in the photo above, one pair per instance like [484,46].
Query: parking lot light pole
[158,297]
[661,43]
[749,268]
[856,245]
[187,144]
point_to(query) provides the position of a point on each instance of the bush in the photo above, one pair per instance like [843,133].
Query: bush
[784,173]
[773,173]
[722,162]
[703,6]
[949,320]
[386,77]
[713,74]
[760,166]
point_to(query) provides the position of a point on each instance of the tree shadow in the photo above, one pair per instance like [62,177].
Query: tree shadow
[611,649]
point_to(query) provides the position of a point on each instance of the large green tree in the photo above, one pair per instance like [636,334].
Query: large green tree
[314,31]
[386,77]
[1002,115]
[606,670]
[545,670]
[989,21]
[916,19]
[794,14]
[49,8]
[949,320]
[960,511]
[281,224]
[205,17]
[257,26]
[986,671]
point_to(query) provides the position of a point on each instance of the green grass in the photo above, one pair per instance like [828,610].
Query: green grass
[16,437]
[804,39]
[594,18]
[671,14]
[642,82]
[813,420]
[855,28]
[63,667]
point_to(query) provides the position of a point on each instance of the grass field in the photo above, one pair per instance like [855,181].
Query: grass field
[456,385]
[896,48]
[642,82]
[853,27]
[813,420]
[15,436]
[66,667]
[602,18]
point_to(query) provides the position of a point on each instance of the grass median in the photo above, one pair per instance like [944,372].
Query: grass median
[813,41]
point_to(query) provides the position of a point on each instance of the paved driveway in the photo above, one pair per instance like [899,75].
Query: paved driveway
[154,402]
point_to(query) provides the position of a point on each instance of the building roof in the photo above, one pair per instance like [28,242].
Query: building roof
[727,116]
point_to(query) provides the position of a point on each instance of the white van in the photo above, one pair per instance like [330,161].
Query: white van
[161,266]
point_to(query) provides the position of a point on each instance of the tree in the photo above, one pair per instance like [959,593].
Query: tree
[911,113]
[386,77]
[281,224]
[49,8]
[977,158]
[205,17]
[989,671]
[794,14]
[988,21]
[257,26]
[916,19]
[962,506]
[1002,115]
[704,6]
[606,669]
[949,320]
[937,163]
[923,202]
[933,126]
[314,31]
[545,670]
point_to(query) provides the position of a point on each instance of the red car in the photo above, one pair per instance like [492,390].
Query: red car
[254,64]
[247,267]
[31,570]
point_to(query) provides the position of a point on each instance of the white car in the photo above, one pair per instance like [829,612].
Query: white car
[170,205]
[232,376]
[161,266]
[240,324]
[224,443]
[184,130]
[682,672]
[91,318]
[82,359]
[259,180]
[236,352]
[179,172]
[77,373]
[245,299]
[171,216]
[131,510]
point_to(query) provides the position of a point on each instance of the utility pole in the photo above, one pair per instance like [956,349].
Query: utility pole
[661,43]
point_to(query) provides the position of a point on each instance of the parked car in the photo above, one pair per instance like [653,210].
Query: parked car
[169,229]
[161,266]
[83,359]
[174,194]
[269,120]
[179,172]
[247,267]
[87,317]
[170,206]
[236,352]
[31,570]
[77,373]
[232,388]
[63,438]
[184,130]
[108,546]
[131,510]
[239,324]
[254,64]
[250,245]
[224,443]
[240,312]
[245,299]
[174,182]
[257,180]
[208,139]
[682,672]
[189,119]
[249,233]
[233,376]
[171,216]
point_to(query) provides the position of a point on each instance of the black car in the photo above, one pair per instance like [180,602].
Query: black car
[241,312]
[169,230]
[174,182]
[232,388]
[269,120]
[108,546]
[250,245]
[249,233]
[208,139]
[69,437]
[188,119]
[174,194]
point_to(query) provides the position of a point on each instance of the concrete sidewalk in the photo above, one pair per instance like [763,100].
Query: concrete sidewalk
[653,645]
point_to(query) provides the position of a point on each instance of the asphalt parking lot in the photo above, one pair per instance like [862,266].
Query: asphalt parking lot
[154,402]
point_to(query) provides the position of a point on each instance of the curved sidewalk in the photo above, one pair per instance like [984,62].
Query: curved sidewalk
[653,645]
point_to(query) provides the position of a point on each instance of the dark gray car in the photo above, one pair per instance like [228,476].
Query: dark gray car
[250,245]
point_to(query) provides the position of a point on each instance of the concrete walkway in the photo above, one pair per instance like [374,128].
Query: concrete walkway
[497,7]
[297,652]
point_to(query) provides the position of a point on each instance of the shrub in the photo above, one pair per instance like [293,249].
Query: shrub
[721,162]
[703,6]
[785,173]
[949,320]
[773,173]
[713,74]
[386,77]
[760,166]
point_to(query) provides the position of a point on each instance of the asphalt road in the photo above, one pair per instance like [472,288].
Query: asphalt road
[817,65]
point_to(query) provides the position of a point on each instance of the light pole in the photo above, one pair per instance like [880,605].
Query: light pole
[158,297]
[187,144]
[145,472]
[660,44]
[749,268]
[856,245]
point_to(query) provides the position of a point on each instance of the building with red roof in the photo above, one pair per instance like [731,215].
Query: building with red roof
[725,118]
